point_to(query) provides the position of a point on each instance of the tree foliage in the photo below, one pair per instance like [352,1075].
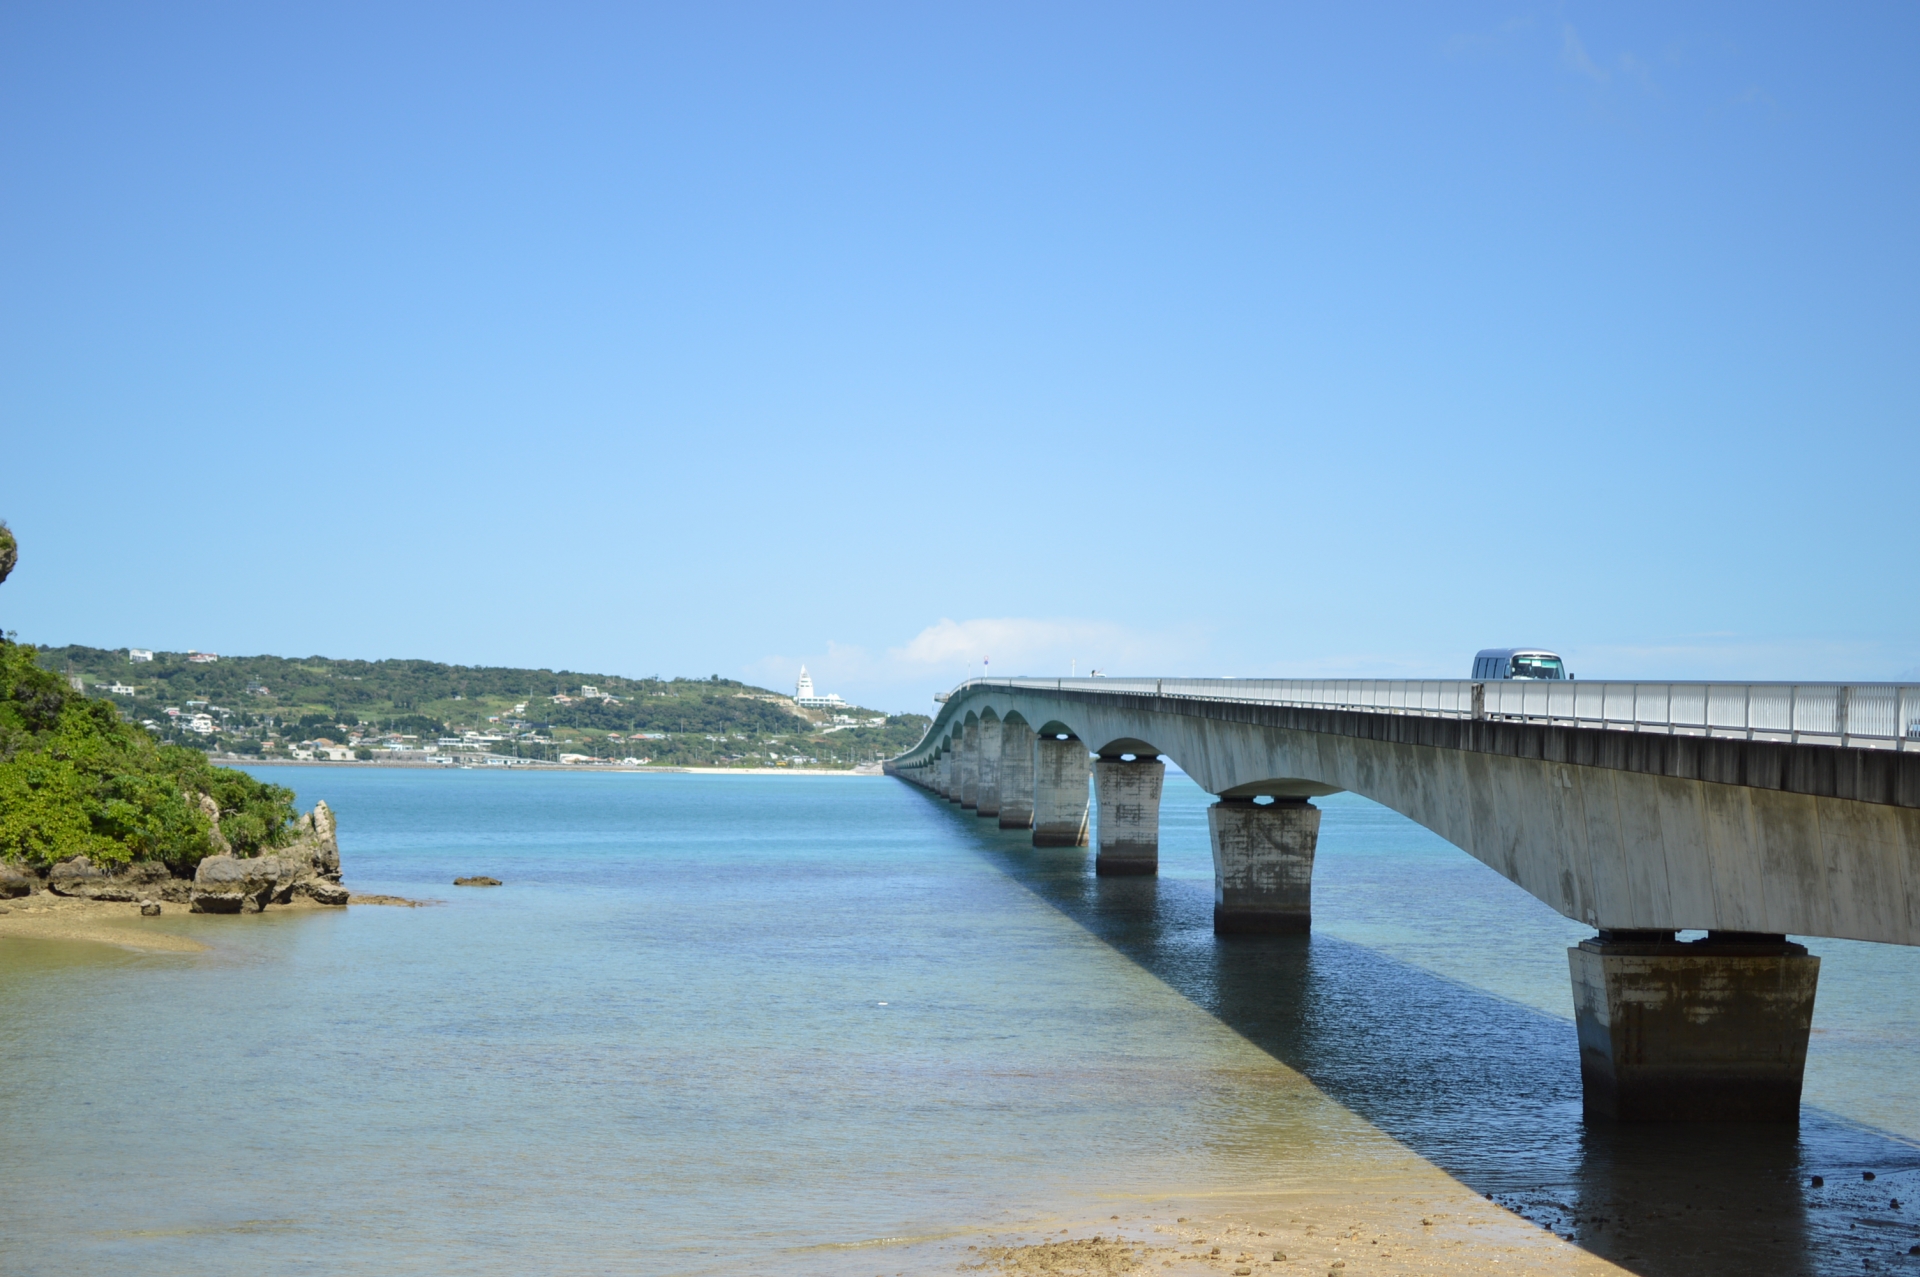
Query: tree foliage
[9,551]
[76,779]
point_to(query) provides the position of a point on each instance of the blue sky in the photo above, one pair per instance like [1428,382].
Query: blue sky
[1181,339]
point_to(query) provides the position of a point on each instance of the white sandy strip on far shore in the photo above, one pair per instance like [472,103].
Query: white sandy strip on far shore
[546,767]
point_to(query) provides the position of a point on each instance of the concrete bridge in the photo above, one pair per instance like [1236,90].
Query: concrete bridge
[1749,811]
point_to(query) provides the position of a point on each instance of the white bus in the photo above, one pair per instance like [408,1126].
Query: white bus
[1518,662]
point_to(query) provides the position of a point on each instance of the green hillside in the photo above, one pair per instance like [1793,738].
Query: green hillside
[75,779]
[276,706]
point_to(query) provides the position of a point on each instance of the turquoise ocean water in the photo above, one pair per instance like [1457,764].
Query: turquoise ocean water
[788,1021]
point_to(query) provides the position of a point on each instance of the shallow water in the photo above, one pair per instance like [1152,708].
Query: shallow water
[716,1019]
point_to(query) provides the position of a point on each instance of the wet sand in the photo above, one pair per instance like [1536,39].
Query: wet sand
[45,916]
[1419,1221]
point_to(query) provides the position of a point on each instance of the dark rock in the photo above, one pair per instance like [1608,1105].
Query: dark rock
[15,882]
[121,884]
[325,893]
[1818,1182]
[1867,1175]
[256,883]
[478,880]
[149,908]
[75,877]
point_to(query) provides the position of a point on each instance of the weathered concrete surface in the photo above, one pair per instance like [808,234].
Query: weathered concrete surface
[1129,820]
[1060,804]
[1616,829]
[987,802]
[1262,866]
[1016,774]
[970,765]
[1710,1031]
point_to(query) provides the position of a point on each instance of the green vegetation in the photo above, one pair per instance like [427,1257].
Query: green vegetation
[270,706]
[75,778]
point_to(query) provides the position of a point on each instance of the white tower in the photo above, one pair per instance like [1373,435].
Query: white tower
[803,690]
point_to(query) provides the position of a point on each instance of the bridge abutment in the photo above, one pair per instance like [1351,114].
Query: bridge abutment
[1060,806]
[1017,775]
[1263,866]
[1712,1030]
[987,800]
[1129,798]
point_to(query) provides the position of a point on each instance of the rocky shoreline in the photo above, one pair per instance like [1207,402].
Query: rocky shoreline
[306,870]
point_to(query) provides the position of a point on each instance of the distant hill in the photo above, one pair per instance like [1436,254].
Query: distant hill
[276,705]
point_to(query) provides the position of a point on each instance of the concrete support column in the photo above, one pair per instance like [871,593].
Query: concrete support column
[1129,798]
[1060,806]
[988,803]
[1262,866]
[970,767]
[1711,1031]
[950,776]
[1016,776]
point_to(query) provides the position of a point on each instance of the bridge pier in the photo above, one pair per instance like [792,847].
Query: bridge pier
[1713,1030]
[1060,792]
[1263,866]
[1016,775]
[969,757]
[987,802]
[950,775]
[1129,798]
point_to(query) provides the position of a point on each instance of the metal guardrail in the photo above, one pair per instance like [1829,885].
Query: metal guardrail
[1853,715]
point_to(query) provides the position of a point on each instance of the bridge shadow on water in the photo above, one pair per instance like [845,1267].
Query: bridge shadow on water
[1489,1091]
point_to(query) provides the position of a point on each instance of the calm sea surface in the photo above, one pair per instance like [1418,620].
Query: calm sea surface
[711,1020]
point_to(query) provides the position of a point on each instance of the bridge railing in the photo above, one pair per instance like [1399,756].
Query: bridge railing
[1857,715]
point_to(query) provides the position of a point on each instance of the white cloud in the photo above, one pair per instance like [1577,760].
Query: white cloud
[1574,54]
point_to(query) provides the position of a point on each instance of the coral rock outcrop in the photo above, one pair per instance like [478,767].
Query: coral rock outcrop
[308,866]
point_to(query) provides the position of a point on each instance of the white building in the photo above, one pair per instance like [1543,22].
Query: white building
[135,655]
[805,697]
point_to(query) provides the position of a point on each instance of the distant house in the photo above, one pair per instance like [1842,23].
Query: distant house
[202,658]
[202,723]
[115,688]
[136,655]
[257,689]
[334,753]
